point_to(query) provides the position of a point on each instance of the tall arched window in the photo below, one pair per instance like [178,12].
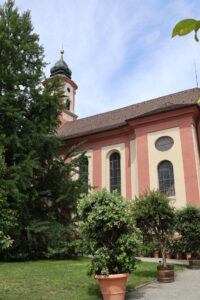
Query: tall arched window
[166,178]
[115,172]
[83,171]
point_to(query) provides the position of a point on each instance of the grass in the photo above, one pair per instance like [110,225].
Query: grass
[60,279]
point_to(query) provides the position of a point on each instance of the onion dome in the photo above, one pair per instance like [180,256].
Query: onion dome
[61,68]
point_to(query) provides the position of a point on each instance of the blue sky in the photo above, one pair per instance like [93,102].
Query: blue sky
[120,51]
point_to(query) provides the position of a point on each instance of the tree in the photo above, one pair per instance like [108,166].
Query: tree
[188,226]
[108,232]
[38,181]
[185,27]
[155,217]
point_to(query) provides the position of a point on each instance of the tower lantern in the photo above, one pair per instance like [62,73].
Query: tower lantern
[69,89]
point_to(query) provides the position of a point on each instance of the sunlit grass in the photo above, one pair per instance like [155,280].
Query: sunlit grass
[60,279]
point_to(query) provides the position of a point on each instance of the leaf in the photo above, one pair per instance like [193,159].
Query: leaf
[185,26]
[197,26]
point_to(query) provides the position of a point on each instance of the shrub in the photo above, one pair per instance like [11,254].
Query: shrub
[188,226]
[7,216]
[177,246]
[155,217]
[108,232]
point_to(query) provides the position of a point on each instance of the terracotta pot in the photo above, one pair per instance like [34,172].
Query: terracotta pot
[156,254]
[194,264]
[178,255]
[140,254]
[113,287]
[165,274]
[188,255]
[168,254]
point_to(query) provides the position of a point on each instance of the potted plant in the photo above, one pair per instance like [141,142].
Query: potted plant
[168,254]
[169,250]
[155,216]
[188,226]
[111,238]
[177,247]
[155,248]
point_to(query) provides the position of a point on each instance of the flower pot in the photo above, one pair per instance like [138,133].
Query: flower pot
[194,264]
[140,254]
[168,254]
[165,274]
[156,254]
[178,255]
[113,287]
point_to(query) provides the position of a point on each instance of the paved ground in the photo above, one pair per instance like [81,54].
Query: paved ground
[185,287]
[169,261]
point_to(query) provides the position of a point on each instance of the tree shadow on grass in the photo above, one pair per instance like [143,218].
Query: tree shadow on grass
[93,290]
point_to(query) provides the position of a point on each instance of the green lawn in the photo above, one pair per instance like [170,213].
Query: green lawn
[60,279]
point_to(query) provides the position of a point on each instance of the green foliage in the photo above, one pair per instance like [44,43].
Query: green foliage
[188,226]
[185,27]
[7,216]
[38,182]
[155,217]
[176,246]
[108,232]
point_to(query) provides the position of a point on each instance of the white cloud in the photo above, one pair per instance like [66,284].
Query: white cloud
[120,52]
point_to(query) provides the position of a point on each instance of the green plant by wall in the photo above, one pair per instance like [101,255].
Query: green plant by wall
[155,217]
[188,226]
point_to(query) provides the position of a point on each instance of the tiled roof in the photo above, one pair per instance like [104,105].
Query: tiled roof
[117,118]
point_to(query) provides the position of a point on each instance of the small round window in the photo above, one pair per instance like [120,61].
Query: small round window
[68,89]
[164,143]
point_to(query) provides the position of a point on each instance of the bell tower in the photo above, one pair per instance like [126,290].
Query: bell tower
[69,89]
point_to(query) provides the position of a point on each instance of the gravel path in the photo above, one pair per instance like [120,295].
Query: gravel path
[185,287]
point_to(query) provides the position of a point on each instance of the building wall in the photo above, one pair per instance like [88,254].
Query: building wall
[140,158]
[174,155]
[194,135]
[134,169]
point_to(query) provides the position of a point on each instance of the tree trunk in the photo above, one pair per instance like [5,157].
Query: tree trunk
[163,253]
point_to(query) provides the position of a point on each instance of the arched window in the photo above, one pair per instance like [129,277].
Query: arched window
[83,171]
[166,178]
[115,172]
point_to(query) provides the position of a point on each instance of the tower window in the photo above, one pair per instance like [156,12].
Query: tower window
[68,89]
[68,104]
[166,178]
[115,172]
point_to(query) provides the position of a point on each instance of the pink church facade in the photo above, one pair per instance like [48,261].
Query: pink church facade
[149,145]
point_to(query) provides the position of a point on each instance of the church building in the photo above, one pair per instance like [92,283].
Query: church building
[154,144]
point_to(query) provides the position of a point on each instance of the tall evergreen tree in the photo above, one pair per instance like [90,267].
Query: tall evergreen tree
[39,186]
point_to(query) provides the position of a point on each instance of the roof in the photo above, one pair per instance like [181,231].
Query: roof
[61,68]
[117,118]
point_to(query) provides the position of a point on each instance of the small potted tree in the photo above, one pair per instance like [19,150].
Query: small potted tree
[177,247]
[188,226]
[111,238]
[155,216]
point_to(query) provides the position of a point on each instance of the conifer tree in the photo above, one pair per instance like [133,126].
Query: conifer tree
[38,184]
